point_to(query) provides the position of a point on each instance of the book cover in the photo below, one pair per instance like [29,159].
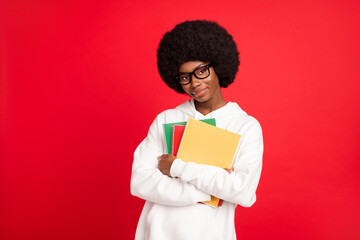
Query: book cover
[168,131]
[206,144]
[178,131]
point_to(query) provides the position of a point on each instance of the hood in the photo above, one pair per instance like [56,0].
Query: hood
[230,108]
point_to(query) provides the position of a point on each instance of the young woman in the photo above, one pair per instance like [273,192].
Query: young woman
[197,58]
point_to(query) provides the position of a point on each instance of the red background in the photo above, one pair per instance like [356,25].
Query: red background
[79,88]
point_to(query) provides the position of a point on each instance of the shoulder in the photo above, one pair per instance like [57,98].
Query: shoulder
[239,120]
[177,114]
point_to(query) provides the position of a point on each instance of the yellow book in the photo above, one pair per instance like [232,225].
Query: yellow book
[203,143]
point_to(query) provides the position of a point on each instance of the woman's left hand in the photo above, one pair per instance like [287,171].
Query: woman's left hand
[165,162]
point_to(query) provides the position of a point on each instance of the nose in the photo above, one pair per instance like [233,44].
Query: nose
[194,82]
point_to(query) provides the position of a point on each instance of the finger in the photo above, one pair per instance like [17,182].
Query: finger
[162,157]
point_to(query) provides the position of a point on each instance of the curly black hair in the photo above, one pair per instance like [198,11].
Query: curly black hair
[199,40]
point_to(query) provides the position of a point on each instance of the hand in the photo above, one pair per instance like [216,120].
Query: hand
[229,170]
[165,162]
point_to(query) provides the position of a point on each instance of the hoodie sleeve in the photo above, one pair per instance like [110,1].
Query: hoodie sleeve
[238,187]
[148,183]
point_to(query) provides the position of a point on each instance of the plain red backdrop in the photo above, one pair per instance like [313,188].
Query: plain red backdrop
[79,88]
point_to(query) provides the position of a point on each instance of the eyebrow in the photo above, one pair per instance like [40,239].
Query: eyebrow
[198,66]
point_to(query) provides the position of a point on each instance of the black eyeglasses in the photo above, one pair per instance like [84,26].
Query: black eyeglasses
[200,73]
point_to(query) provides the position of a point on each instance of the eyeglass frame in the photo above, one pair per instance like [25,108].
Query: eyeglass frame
[208,66]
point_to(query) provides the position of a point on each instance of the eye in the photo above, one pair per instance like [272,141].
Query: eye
[201,71]
[184,77]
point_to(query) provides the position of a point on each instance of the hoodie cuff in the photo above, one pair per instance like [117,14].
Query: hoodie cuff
[177,167]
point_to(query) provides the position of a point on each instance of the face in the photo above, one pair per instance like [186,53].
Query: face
[202,90]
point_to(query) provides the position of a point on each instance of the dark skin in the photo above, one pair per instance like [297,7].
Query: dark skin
[207,98]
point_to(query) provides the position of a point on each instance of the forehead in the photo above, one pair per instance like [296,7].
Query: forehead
[190,66]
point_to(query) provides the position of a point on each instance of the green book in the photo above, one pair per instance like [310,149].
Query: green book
[168,131]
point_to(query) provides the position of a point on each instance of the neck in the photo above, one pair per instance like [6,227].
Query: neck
[211,105]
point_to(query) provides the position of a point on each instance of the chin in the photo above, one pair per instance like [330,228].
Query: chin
[201,99]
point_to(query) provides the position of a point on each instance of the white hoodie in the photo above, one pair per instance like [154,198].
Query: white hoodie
[171,210]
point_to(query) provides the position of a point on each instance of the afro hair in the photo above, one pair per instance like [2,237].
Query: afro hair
[198,40]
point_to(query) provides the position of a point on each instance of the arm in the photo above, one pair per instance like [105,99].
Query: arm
[238,187]
[147,182]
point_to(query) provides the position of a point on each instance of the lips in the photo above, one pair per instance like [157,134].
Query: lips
[199,93]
